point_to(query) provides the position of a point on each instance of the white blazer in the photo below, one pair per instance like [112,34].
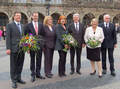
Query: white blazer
[90,34]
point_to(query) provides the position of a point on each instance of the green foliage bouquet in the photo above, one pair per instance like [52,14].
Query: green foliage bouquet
[69,40]
[93,43]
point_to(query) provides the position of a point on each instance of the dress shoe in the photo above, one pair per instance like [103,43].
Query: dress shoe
[100,76]
[61,75]
[93,73]
[72,71]
[104,71]
[21,81]
[113,73]
[14,85]
[49,76]
[64,75]
[39,76]
[78,71]
[32,79]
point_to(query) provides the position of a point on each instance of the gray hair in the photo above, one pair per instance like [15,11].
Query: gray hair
[106,15]
[76,14]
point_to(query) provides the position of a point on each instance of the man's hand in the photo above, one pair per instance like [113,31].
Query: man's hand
[115,45]
[66,46]
[8,52]
[83,45]
[28,51]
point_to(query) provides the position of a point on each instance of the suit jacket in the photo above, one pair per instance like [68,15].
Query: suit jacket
[59,32]
[30,29]
[110,36]
[90,34]
[13,36]
[49,36]
[79,37]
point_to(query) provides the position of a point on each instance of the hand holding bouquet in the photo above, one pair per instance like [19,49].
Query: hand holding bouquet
[93,43]
[69,40]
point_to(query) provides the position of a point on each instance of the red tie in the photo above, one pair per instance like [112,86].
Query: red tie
[36,28]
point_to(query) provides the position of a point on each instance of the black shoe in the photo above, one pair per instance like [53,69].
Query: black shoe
[32,79]
[93,73]
[104,71]
[39,76]
[72,71]
[49,76]
[78,71]
[100,76]
[64,75]
[113,73]
[21,81]
[61,75]
[14,85]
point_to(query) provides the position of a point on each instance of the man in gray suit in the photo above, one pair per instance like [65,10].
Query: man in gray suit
[14,31]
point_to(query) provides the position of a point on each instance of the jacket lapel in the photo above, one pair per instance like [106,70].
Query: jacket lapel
[32,29]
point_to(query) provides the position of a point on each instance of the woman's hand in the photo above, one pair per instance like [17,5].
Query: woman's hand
[28,51]
[66,46]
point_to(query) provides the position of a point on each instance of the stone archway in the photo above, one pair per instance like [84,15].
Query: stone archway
[116,19]
[87,19]
[3,19]
[24,19]
[55,17]
[101,18]
[41,18]
[69,18]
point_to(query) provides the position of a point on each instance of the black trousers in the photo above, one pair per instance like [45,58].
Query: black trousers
[62,62]
[48,60]
[78,58]
[16,65]
[110,56]
[38,55]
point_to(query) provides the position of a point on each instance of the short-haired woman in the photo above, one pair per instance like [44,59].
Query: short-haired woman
[61,29]
[93,54]
[49,36]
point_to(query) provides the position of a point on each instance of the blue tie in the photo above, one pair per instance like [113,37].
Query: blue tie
[19,28]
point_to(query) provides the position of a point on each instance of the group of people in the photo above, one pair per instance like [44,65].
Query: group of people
[104,32]
[2,33]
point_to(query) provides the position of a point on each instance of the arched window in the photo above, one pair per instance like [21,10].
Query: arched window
[24,19]
[55,18]
[69,19]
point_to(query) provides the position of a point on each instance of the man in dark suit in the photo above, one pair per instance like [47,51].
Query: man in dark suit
[14,31]
[117,28]
[76,29]
[36,28]
[108,44]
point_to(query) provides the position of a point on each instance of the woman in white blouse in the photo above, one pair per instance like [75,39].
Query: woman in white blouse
[93,54]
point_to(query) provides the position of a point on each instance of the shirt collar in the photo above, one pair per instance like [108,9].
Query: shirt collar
[75,23]
[105,24]
[16,22]
[34,22]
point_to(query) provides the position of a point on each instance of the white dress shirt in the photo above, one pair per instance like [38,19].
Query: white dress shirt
[34,24]
[90,34]
[77,25]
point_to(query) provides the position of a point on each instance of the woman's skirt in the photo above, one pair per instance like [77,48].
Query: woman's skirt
[93,54]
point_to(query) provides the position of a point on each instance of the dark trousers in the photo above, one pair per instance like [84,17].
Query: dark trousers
[62,62]
[110,56]
[78,58]
[38,55]
[48,55]
[16,65]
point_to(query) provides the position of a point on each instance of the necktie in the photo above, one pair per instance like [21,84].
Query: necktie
[19,28]
[76,28]
[36,29]
[106,27]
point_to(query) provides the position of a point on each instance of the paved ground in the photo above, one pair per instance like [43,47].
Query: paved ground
[75,81]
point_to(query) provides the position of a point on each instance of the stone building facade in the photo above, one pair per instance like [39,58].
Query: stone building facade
[88,9]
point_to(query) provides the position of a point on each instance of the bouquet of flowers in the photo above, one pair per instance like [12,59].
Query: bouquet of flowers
[29,42]
[93,42]
[69,40]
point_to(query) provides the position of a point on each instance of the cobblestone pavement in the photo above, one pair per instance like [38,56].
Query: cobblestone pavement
[75,81]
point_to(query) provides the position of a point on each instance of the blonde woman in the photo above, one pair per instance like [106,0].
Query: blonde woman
[49,36]
[93,54]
